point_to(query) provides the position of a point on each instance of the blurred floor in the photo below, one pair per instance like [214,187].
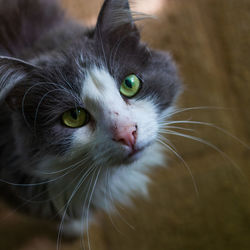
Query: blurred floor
[210,40]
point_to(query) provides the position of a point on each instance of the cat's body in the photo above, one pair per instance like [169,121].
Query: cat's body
[50,64]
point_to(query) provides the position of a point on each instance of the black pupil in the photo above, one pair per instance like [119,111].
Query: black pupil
[129,83]
[74,113]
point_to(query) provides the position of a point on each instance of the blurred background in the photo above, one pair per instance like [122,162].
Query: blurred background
[210,41]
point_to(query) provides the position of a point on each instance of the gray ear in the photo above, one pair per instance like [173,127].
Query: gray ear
[114,13]
[12,72]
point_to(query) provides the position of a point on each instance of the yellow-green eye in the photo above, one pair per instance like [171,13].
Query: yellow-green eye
[75,118]
[130,86]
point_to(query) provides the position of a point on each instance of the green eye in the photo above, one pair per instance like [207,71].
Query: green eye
[130,86]
[75,118]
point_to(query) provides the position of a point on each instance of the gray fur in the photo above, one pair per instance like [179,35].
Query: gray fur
[119,14]
[44,59]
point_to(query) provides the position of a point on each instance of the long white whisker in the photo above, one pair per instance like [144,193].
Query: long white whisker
[82,179]
[102,46]
[84,205]
[205,143]
[27,92]
[32,184]
[181,110]
[167,141]
[119,214]
[90,199]
[176,127]
[184,163]
[82,161]
[110,202]
[31,200]
[209,125]
[40,102]
[43,182]
[67,186]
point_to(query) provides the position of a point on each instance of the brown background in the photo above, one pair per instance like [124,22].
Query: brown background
[210,40]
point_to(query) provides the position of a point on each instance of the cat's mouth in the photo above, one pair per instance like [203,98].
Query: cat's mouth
[135,154]
[132,157]
[126,157]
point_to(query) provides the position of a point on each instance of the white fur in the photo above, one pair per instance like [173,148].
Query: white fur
[126,182]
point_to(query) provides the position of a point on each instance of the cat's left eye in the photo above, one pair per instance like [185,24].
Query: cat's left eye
[130,86]
[75,118]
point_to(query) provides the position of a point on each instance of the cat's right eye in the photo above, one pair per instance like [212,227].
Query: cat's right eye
[75,118]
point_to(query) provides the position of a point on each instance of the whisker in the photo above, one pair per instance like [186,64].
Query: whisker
[116,49]
[208,144]
[82,179]
[84,214]
[84,206]
[64,189]
[40,102]
[88,207]
[43,182]
[32,184]
[181,110]
[184,163]
[167,141]
[102,46]
[209,125]
[25,95]
[82,161]
[31,200]
[177,127]
[109,203]
[119,206]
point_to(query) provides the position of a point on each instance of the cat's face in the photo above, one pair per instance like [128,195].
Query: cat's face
[119,129]
[99,99]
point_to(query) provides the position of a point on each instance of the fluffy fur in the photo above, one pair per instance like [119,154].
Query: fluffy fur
[51,64]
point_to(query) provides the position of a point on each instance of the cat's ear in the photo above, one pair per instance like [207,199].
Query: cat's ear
[12,72]
[116,16]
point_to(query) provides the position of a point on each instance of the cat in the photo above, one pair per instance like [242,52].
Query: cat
[80,110]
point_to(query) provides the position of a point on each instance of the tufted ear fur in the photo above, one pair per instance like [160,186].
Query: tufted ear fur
[12,72]
[116,17]
[114,13]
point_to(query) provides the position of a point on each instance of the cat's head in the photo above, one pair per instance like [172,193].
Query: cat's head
[101,97]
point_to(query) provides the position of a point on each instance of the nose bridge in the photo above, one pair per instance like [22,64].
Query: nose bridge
[119,119]
[117,111]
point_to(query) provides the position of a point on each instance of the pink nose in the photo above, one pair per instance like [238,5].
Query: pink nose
[126,135]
